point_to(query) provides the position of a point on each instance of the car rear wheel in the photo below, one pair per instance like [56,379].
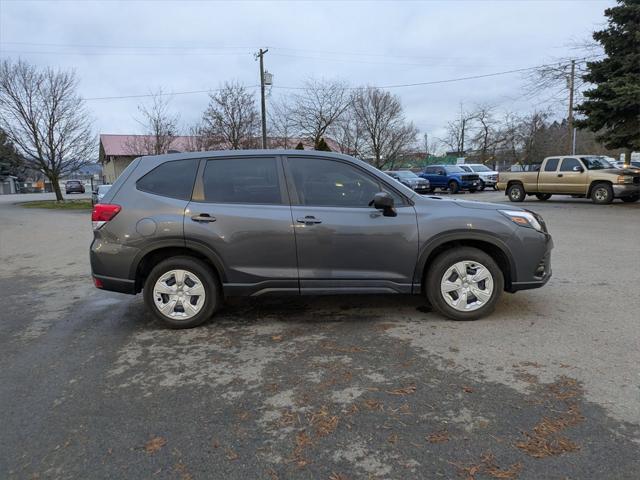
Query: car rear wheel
[464,283]
[631,199]
[543,196]
[602,194]
[516,192]
[454,187]
[182,292]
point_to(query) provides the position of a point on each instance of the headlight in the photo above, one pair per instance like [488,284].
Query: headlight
[624,179]
[523,218]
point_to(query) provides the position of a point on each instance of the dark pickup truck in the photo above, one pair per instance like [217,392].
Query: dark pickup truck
[451,177]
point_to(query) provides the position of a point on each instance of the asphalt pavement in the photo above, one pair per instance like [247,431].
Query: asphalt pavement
[322,388]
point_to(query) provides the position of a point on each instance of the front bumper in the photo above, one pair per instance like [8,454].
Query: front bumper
[533,270]
[626,190]
[475,184]
[421,188]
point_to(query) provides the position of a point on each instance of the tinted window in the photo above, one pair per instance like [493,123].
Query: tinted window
[242,180]
[551,165]
[171,179]
[430,170]
[322,182]
[568,164]
[453,169]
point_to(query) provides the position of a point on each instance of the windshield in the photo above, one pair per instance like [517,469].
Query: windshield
[453,169]
[481,168]
[405,174]
[466,168]
[595,163]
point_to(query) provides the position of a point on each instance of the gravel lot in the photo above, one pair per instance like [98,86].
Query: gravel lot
[328,388]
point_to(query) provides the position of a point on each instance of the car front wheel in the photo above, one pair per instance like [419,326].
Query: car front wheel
[602,194]
[182,292]
[454,187]
[516,192]
[482,186]
[464,283]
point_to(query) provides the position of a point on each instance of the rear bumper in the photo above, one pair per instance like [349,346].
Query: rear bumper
[626,190]
[120,285]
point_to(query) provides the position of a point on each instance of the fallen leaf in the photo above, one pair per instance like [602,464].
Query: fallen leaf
[408,390]
[441,436]
[467,389]
[231,455]
[155,444]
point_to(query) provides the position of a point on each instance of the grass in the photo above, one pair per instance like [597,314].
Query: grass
[84,204]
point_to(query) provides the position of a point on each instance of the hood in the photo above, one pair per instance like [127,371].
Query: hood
[483,205]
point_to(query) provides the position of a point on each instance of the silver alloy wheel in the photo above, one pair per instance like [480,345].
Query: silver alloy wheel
[601,194]
[515,193]
[467,285]
[179,294]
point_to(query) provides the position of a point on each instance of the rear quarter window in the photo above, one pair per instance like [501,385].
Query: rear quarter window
[171,179]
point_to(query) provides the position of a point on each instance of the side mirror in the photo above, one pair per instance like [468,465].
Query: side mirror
[383,201]
[578,169]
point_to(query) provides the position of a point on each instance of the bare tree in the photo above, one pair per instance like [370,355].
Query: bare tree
[318,106]
[231,119]
[46,119]
[159,124]
[349,133]
[486,137]
[387,133]
[281,125]
[457,132]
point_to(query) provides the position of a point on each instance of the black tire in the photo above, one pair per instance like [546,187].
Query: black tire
[213,293]
[446,260]
[630,199]
[454,187]
[516,192]
[602,194]
[473,190]
[482,186]
[543,197]
[495,187]
[430,190]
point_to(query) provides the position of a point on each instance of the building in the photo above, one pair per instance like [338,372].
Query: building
[118,151]
[8,184]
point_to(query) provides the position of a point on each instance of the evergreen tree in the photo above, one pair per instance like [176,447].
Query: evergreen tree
[11,162]
[300,146]
[612,107]
[322,146]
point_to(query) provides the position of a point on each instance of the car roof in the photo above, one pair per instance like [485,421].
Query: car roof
[247,153]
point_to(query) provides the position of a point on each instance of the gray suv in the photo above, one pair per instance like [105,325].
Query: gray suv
[190,229]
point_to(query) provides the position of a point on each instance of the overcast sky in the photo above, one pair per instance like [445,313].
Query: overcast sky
[133,47]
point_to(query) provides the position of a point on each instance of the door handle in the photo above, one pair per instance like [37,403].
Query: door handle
[559,174]
[309,220]
[203,217]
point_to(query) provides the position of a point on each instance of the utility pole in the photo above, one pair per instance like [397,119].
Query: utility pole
[262,101]
[571,136]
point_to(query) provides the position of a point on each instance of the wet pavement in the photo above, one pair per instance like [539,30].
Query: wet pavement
[324,388]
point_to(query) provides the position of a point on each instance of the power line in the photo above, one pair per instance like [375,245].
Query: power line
[402,85]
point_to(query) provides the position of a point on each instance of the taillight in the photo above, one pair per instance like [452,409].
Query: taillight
[102,213]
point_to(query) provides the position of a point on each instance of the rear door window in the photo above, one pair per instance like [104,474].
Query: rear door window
[551,165]
[171,179]
[242,180]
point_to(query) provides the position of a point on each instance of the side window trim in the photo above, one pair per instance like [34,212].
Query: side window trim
[557,160]
[293,192]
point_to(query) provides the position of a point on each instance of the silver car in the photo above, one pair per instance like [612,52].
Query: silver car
[190,229]
[488,177]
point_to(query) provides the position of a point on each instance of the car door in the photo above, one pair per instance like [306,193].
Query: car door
[571,180]
[548,180]
[343,243]
[240,211]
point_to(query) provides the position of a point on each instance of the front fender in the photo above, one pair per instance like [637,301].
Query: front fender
[459,235]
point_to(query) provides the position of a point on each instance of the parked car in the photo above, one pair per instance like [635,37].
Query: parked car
[411,180]
[99,193]
[488,177]
[451,177]
[73,186]
[580,176]
[190,229]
